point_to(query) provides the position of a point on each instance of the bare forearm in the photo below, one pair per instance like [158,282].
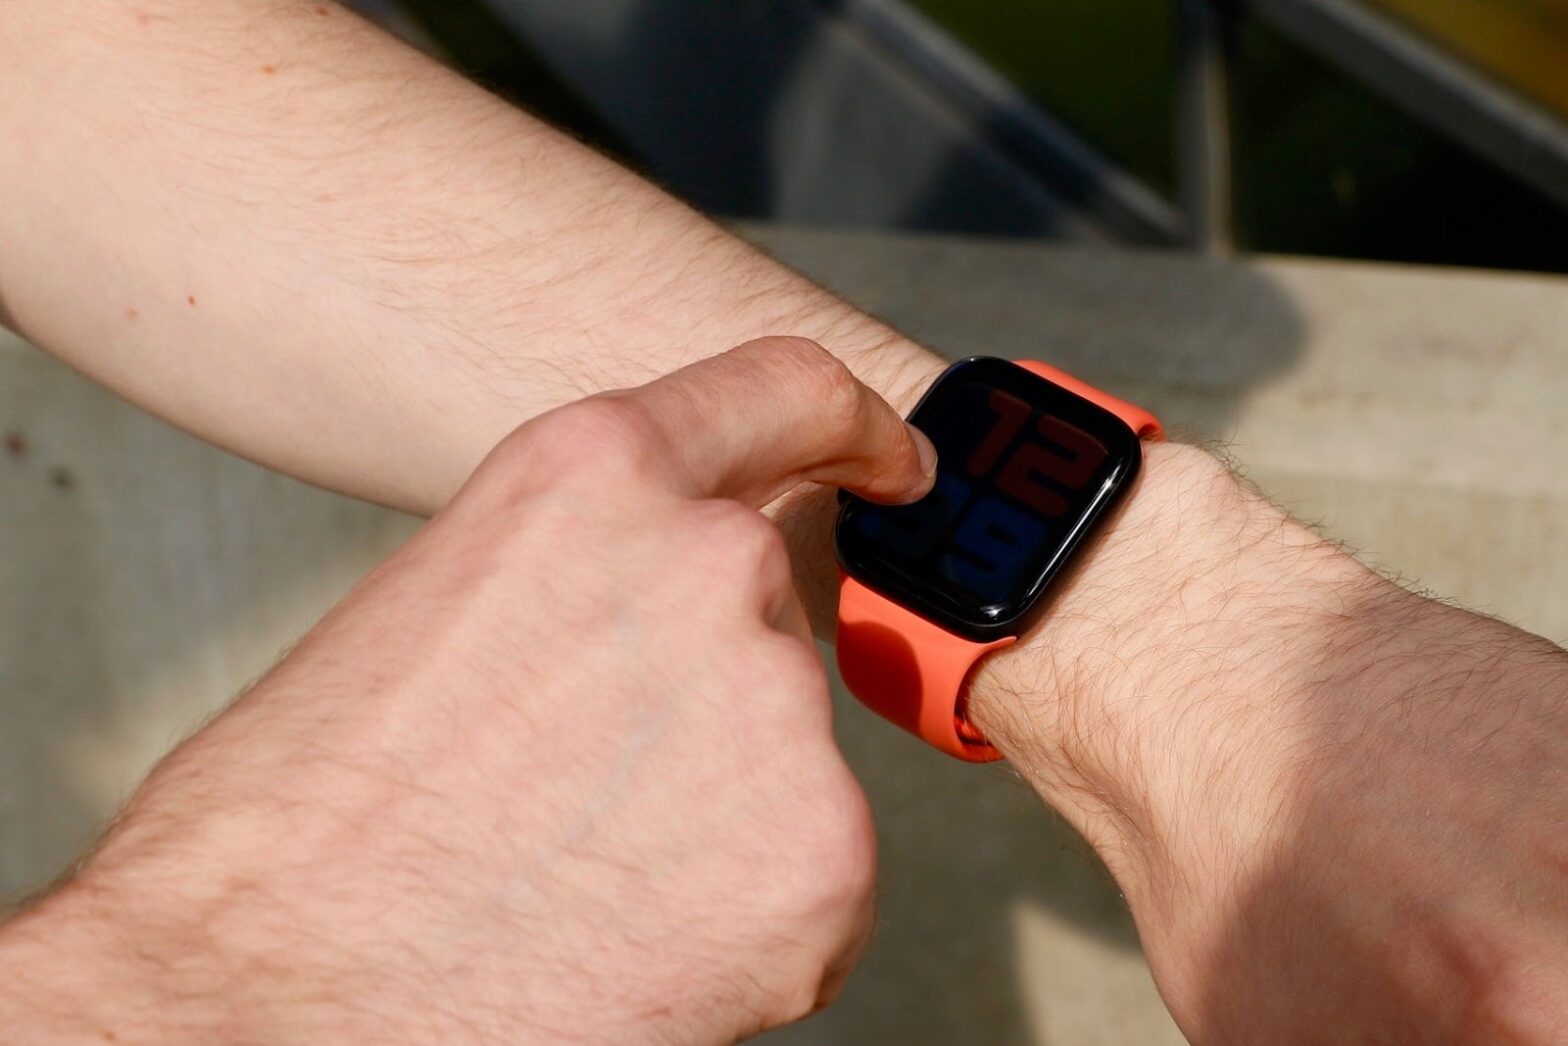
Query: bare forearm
[279,228]
[1201,604]
[285,232]
[1331,803]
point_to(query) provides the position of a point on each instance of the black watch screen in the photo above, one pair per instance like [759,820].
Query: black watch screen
[1025,470]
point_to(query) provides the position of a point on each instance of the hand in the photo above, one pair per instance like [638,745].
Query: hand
[1334,806]
[561,768]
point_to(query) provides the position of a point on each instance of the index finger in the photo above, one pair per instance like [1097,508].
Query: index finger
[775,412]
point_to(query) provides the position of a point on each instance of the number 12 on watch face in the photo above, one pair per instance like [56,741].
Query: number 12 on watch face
[1022,466]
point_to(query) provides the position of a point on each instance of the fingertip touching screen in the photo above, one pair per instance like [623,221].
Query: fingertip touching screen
[1025,469]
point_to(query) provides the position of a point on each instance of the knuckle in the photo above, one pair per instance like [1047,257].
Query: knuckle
[822,379]
[831,383]
[774,571]
[834,837]
[784,347]
[590,437]
[741,535]
[817,818]
[845,849]
[840,848]
[796,674]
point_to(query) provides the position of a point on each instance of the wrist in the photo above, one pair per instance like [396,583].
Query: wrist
[900,370]
[1155,703]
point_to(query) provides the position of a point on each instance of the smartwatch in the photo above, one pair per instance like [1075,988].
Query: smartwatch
[1029,462]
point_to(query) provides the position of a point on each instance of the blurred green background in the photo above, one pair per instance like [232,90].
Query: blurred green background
[1322,166]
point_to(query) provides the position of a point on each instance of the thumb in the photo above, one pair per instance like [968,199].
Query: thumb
[775,412]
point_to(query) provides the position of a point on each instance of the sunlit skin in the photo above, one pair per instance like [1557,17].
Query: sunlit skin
[1333,806]
[560,769]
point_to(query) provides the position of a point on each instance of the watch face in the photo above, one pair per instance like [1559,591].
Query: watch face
[1025,469]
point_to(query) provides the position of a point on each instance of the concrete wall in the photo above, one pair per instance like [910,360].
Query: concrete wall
[144,577]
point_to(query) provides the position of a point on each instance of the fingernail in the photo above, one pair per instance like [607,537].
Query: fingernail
[926,448]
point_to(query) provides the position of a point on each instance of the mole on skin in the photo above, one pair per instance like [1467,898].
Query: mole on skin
[131,313]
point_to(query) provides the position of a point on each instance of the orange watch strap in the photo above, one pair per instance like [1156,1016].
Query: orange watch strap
[910,670]
[914,672]
[1146,425]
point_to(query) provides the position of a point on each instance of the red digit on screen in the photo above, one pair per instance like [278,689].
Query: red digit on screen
[1070,458]
[1011,413]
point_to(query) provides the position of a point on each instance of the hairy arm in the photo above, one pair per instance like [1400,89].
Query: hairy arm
[1334,806]
[286,232]
[1330,803]
[502,793]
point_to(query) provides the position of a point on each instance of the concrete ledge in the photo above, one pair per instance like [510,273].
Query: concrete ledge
[144,578]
